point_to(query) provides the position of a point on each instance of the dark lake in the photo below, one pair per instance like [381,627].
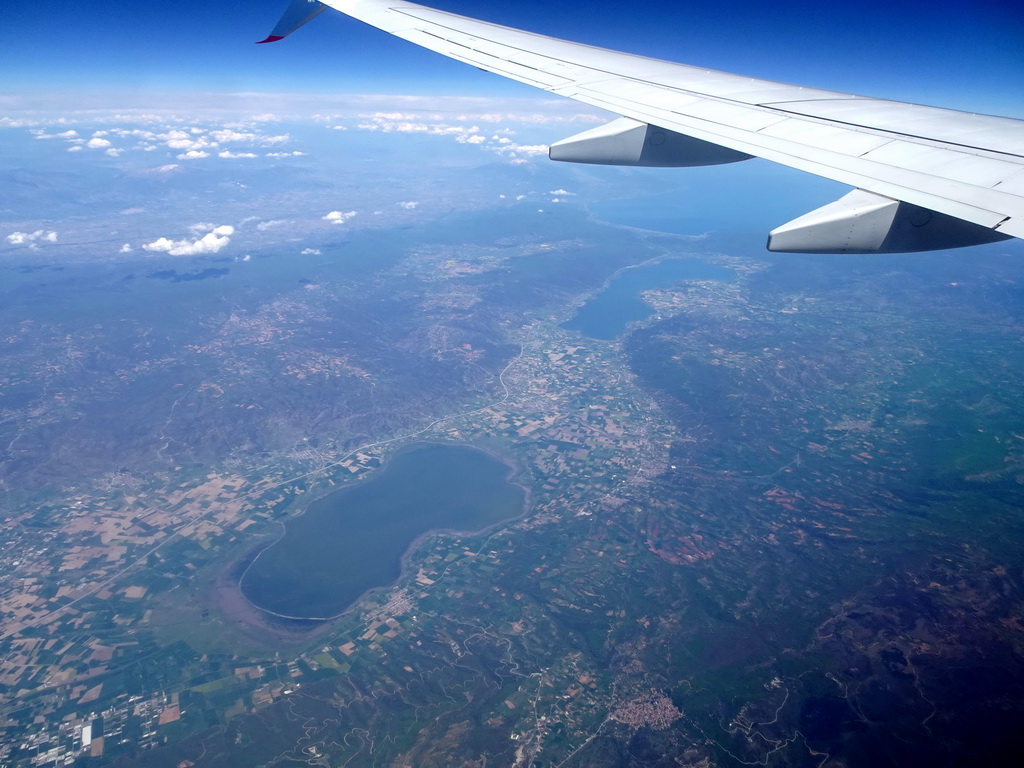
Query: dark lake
[353,539]
[607,314]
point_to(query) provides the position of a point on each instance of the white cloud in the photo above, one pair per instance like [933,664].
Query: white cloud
[229,134]
[485,117]
[137,133]
[202,139]
[95,143]
[10,122]
[496,139]
[394,123]
[187,143]
[516,151]
[338,217]
[39,133]
[310,252]
[31,239]
[579,117]
[211,242]
[409,205]
[393,116]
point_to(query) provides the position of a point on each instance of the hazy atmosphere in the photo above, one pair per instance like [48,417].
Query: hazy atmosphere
[338,425]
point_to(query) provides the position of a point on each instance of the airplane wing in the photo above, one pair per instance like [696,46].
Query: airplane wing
[925,178]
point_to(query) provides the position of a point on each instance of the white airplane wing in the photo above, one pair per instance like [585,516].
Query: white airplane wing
[924,178]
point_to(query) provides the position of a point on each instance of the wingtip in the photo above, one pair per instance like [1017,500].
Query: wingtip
[270,39]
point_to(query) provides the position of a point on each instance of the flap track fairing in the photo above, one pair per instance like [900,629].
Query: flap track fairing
[863,222]
[630,142]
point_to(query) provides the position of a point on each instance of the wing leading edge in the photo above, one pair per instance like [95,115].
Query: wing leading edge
[925,178]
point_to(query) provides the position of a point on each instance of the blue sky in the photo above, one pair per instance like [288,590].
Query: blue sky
[964,55]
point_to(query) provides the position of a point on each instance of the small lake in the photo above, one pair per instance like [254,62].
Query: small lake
[607,314]
[354,539]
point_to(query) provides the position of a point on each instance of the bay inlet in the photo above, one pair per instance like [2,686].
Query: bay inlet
[609,313]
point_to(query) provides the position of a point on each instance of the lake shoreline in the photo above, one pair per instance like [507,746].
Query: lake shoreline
[235,605]
[249,619]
